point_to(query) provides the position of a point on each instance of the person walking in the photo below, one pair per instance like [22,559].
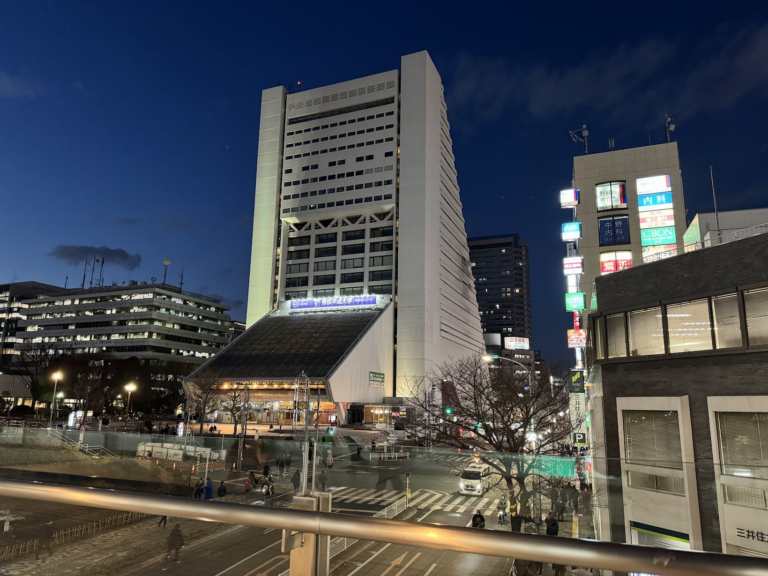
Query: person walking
[199,488]
[280,466]
[296,479]
[209,490]
[329,458]
[553,529]
[359,452]
[323,479]
[175,543]
[478,520]
[222,491]
[163,521]
[46,541]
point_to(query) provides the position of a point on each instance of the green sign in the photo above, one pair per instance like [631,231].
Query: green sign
[575,301]
[576,384]
[376,379]
[657,236]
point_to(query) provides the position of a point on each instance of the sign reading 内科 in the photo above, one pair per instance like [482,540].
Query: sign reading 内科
[335,302]
[575,301]
[654,201]
[654,185]
[376,379]
[571,231]
[516,343]
[657,236]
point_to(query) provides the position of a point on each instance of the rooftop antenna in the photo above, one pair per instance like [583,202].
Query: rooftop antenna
[581,138]
[611,145]
[714,198]
[669,126]
[181,279]
[166,263]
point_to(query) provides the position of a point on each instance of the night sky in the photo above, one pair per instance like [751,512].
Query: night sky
[133,126]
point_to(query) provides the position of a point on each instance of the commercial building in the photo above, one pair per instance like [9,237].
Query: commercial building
[500,265]
[679,401]
[357,197]
[708,229]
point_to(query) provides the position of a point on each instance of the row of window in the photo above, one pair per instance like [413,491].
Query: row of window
[338,203]
[328,237]
[328,265]
[342,123]
[339,149]
[712,323]
[338,163]
[348,278]
[349,249]
[339,177]
[345,291]
[339,136]
[339,111]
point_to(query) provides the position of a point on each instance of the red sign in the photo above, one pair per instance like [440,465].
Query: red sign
[576,323]
[577,338]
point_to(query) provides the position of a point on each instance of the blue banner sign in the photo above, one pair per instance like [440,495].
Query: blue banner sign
[336,302]
[621,229]
[605,231]
[654,201]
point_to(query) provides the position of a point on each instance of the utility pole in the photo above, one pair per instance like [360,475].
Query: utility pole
[243,423]
[317,436]
[303,382]
[714,198]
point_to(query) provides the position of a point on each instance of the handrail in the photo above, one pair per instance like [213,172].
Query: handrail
[605,555]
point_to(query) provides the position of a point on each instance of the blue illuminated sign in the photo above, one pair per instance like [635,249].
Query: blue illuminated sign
[654,201]
[571,231]
[336,302]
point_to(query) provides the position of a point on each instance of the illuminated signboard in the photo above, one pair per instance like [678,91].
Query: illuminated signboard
[615,261]
[653,185]
[571,230]
[657,236]
[654,253]
[515,343]
[613,230]
[573,265]
[573,285]
[337,302]
[611,195]
[569,198]
[577,338]
[657,218]
[575,301]
[654,201]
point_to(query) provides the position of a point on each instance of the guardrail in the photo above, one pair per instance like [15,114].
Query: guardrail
[604,555]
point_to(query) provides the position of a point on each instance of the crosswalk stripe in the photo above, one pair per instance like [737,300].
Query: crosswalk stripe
[453,504]
[386,496]
[492,508]
[344,492]
[362,496]
[424,497]
[353,493]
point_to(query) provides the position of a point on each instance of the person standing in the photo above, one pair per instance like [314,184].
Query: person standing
[323,479]
[359,452]
[46,541]
[209,490]
[296,479]
[222,491]
[175,542]
[199,488]
[329,458]
[163,521]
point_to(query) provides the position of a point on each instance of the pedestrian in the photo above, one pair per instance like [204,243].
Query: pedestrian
[323,479]
[222,491]
[574,497]
[199,488]
[359,452]
[247,485]
[329,459]
[478,521]
[252,478]
[209,490]
[46,540]
[163,521]
[175,542]
[373,445]
[296,479]
[288,458]
[553,528]
[280,466]
[267,470]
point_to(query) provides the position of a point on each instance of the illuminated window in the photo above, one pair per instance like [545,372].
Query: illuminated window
[611,195]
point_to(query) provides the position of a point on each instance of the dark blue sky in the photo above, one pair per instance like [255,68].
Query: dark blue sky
[133,125]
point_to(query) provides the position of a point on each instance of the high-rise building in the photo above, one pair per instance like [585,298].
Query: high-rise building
[500,265]
[357,205]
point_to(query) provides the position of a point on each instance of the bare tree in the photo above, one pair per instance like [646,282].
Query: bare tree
[36,364]
[203,394]
[234,402]
[515,422]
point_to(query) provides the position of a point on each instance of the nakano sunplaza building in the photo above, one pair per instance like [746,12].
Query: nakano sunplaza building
[359,254]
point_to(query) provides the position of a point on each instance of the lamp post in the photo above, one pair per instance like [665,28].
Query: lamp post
[130,387]
[488,358]
[56,378]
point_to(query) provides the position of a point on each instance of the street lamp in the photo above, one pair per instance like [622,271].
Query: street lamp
[488,358]
[130,387]
[56,378]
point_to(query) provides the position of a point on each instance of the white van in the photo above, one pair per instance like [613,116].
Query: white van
[475,479]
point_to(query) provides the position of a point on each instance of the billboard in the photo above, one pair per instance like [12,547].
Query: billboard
[657,218]
[615,262]
[654,201]
[336,302]
[657,236]
[654,184]
[611,195]
[573,265]
[613,230]
[515,343]
[577,338]
[660,252]
[571,231]
[576,384]
[575,301]
[569,198]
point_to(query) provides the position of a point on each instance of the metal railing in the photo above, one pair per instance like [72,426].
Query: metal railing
[604,555]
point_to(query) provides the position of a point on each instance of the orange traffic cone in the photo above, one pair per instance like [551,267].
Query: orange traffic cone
[157,462]
[193,468]
[174,465]
[234,468]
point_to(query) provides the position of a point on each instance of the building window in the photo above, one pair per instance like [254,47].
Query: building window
[297,268]
[325,252]
[613,230]
[352,291]
[745,496]
[352,263]
[645,481]
[298,255]
[645,333]
[354,235]
[379,275]
[756,306]
[352,277]
[725,315]
[295,294]
[324,280]
[353,249]
[380,261]
[617,336]
[652,438]
[611,195]
[325,238]
[382,232]
[381,246]
[300,241]
[380,289]
[325,265]
[689,326]
[324,293]
[296,282]
[743,439]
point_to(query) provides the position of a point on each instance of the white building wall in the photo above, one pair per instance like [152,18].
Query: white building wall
[265,211]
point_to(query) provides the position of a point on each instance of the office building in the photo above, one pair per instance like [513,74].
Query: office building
[708,229]
[500,265]
[679,401]
[357,207]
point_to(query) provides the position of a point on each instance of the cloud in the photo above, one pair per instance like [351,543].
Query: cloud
[14,88]
[127,221]
[646,79]
[113,256]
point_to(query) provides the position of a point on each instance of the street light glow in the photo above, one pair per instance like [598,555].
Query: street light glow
[130,387]
[57,375]
[487,358]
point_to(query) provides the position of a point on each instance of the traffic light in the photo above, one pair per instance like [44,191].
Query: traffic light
[449,410]
[478,425]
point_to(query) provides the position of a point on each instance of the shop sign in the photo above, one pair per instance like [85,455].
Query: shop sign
[575,301]
[654,184]
[579,438]
[336,302]
[516,343]
[576,384]
[661,252]
[657,236]
[573,265]
[657,218]
[376,379]
[577,338]
[569,198]
[571,231]
[615,261]
[654,201]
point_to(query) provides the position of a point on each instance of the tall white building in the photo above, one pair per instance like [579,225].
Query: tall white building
[356,194]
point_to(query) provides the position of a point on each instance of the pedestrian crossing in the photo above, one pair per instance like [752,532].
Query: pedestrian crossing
[423,499]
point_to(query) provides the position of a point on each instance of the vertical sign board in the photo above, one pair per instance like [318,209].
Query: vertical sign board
[573,265]
[571,231]
[376,379]
[575,301]
[577,405]
[569,198]
[605,231]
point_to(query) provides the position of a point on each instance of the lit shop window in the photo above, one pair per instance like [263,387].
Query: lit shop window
[611,195]
[615,261]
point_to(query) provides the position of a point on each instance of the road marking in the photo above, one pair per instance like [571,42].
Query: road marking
[409,564]
[428,572]
[248,558]
[283,559]
[493,506]
[424,498]
[575,528]
[364,563]
[453,504]
[396,562]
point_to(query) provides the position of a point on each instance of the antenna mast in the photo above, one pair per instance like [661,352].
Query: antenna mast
[714,198]
[181,279]
[576,137]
